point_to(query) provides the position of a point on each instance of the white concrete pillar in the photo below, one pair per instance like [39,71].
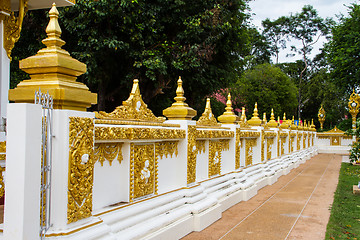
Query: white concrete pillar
[23,172]
[60,167]
[4,79]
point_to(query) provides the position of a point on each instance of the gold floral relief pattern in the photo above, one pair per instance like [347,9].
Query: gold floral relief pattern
[108,151]
[298,141]
[304,140]
[215,148]
[263,142]
[248,134]
[2,184]
[117,133]
[270,142]
[164,149]
[133,109]
[238,143]
[3,150]
[142,170]
[200,146]
[225,144]
[309,139]
[213,134]
[81,168]
[191,155]
[249,151]
[282,143]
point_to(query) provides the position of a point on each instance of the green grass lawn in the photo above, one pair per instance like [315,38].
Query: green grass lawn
[344,222]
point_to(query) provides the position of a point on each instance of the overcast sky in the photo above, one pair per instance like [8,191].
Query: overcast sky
[275,8]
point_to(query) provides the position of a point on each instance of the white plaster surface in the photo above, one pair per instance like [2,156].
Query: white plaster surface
[23,170]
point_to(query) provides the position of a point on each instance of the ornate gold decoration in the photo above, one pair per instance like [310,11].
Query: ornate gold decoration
[166,148]
[213,134]
[81,168]
[292,124]
[334,133]
[3,150]
[354,107]
[249,145]
[249,134]
[117,133]
[255,120]
[53,69]
[304,140]
[299,135]
[272,123]
[179,110]
[12,24]
[291,141]
[269,143]
[133,109]
[243,122]
[108,151]
[312,126]
[228,116]
[321,116]
[5,6]
[200,146]
[120,122]
[191,156]
[263,142]
[284,124]
[142,170]
[238,145]
[282,143]
[2,183]
[215,148]
[207,118]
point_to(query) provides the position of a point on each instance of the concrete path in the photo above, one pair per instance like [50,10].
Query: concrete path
[297,206]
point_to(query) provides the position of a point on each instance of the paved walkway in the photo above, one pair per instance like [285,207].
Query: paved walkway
[297,206]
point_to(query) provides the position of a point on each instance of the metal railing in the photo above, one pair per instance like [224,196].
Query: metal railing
[46,102]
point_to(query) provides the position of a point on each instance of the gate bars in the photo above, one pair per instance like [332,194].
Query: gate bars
[46,101]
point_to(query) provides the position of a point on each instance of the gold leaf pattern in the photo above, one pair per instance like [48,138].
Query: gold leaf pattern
[249,147]
[191,155]
[81,168]
[108,151]
[215,148]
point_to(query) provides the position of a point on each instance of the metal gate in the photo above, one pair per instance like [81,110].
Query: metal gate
[46,102]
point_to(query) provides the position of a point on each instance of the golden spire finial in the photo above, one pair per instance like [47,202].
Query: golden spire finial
[53,69]
[53,30]
[228,116]
[179,110]
[272,123]
[255,120]
[272,116]
[264,118]
[284,122]
[179,92]
[292,124]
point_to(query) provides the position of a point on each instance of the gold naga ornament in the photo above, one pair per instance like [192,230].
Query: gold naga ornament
[12,24]
[133,109]
[354,107]
[228,117]
[53,69]
[207,118]
[321,116]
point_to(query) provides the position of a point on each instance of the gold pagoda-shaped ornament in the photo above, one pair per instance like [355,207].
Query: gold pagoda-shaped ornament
[255,120]
[207,118]
[179,110]
[228,116]
[53,70]
[272,123]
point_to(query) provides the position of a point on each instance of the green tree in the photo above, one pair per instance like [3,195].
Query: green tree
[267,85]
[156,42]
[307,27]
[276,33]
[343,51]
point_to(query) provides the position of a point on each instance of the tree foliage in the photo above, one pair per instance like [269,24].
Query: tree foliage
[344,51]
[156,42]
[267,85]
